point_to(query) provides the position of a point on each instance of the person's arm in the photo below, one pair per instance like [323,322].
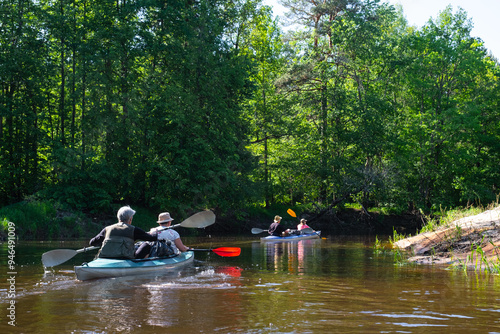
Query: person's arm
[98,239]
[140,234]
[283,231]
[178,243]
[271,229]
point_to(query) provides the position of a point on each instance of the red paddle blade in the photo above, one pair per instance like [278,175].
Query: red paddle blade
[227,251]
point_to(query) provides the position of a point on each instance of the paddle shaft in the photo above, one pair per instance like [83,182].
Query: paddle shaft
[221,251]
[162,228]
[86,249]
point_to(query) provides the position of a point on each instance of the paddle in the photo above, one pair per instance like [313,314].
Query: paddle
[291,213]
[257,230]
[57,256]
[222,251]
[198,220]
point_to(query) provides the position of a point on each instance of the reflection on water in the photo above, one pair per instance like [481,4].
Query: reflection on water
[290,256]
[311,286]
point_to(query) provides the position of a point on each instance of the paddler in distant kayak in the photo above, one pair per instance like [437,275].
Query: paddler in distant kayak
[302,225]
[117,240]
[277,229]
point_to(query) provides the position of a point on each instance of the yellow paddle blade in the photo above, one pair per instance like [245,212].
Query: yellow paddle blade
[291,213]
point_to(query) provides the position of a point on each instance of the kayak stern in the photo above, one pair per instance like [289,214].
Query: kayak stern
[103,268]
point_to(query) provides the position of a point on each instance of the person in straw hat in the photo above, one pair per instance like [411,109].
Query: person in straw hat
[168,234]
[277,229]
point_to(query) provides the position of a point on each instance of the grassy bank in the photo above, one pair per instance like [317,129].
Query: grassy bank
[36,219]
[43,220]
[47,220]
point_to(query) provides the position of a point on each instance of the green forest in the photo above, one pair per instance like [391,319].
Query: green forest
[184,105]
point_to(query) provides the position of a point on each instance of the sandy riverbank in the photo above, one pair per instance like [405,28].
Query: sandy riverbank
[471,241]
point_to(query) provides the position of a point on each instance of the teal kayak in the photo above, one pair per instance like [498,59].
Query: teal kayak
[272,238]
[102,268]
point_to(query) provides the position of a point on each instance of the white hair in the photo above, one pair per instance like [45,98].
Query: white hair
[125,213]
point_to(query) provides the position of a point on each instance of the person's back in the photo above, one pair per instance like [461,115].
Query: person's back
[167,235]
[302,225]
[276,229]
[118,242]
[164,232]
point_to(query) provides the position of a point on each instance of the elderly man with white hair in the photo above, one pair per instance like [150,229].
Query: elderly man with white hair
[117,240]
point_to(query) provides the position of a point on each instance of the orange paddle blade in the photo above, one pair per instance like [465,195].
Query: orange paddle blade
[291,213]
[227,251]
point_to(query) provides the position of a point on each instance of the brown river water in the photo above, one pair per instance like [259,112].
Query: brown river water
[329,285]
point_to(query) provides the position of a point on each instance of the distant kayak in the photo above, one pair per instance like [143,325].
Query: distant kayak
[101,268]
[272,238]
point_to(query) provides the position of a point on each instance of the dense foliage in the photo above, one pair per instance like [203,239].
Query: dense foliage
[191,104]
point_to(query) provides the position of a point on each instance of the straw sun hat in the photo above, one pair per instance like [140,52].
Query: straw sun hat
[164,217]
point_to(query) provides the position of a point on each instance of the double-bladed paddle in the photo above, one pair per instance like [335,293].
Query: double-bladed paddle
[57,256]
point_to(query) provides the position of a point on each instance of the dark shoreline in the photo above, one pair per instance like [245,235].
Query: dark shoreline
[344,222]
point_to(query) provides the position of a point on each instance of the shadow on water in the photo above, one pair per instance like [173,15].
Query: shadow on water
[331,285]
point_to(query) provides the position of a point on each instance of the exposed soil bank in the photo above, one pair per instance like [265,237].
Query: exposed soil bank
[459,242]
